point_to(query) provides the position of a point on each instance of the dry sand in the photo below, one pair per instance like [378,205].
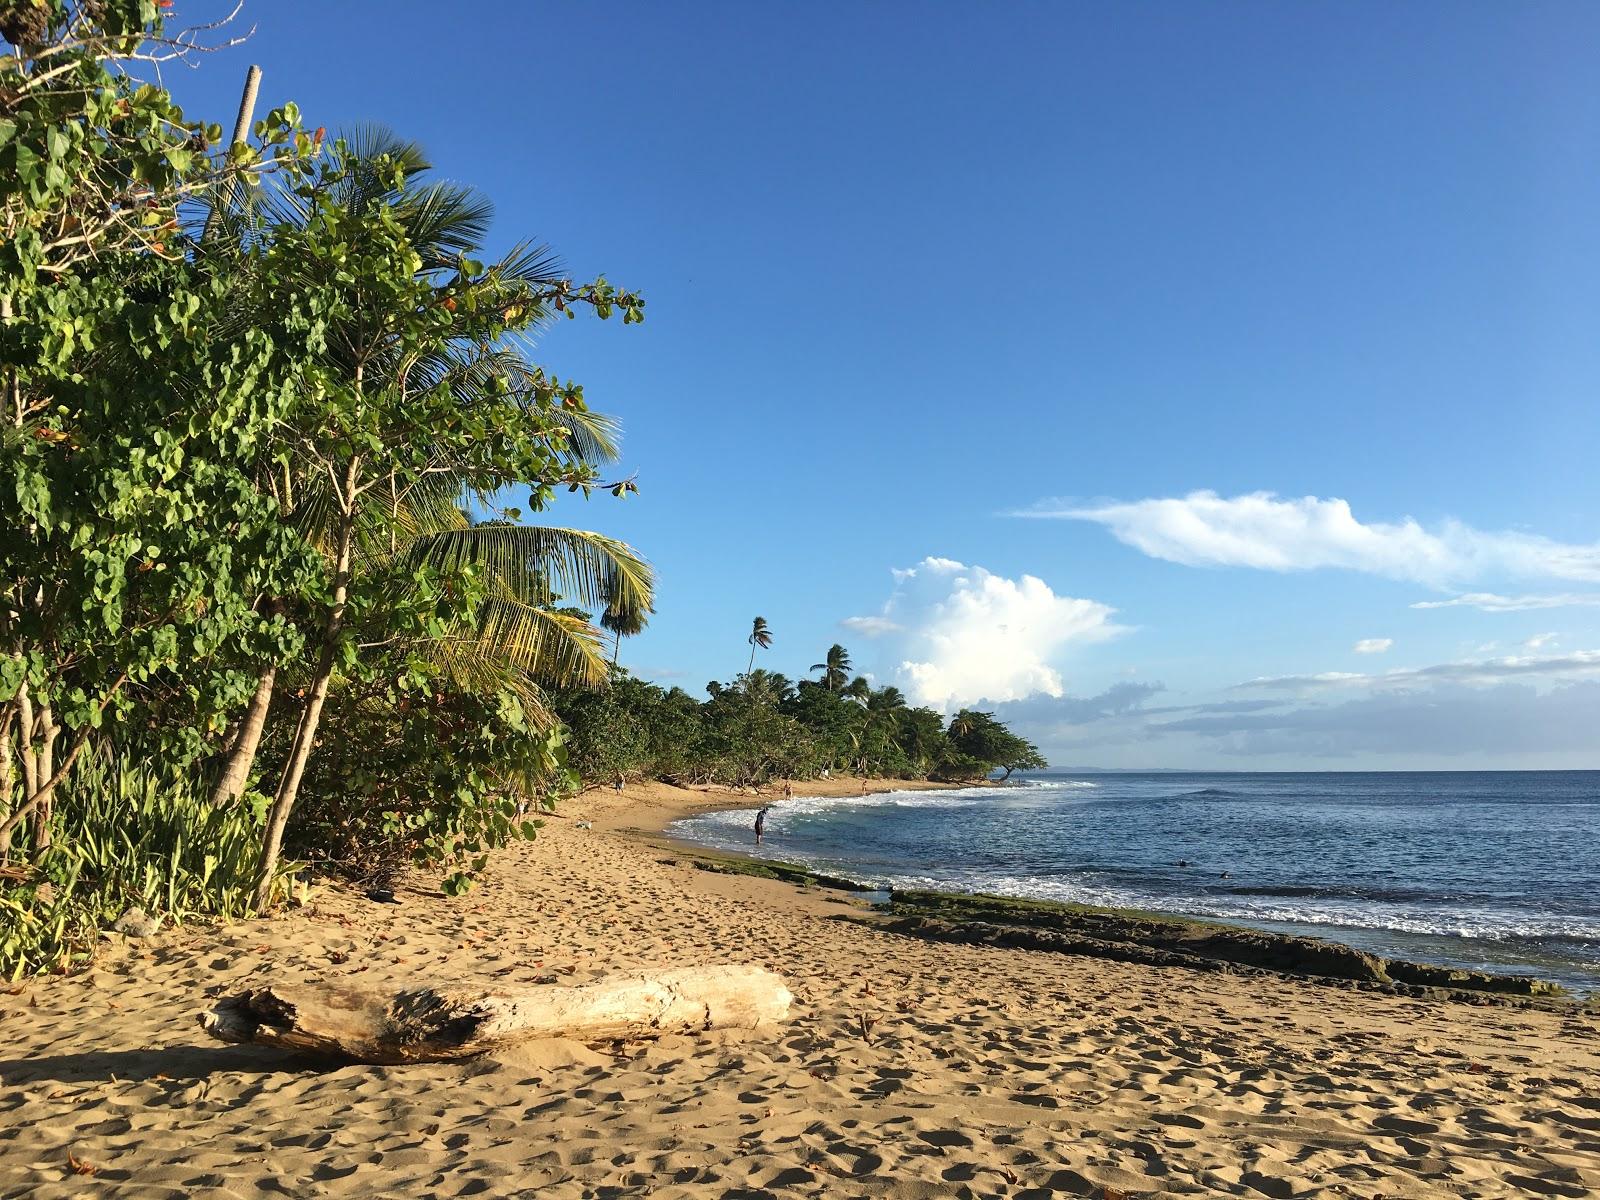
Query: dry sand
[906,1069]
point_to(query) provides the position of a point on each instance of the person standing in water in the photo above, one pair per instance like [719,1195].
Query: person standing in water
[761,824]
[788,790]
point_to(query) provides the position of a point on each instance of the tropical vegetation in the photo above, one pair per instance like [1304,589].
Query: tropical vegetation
[276,589]
[263,599]
[763,726]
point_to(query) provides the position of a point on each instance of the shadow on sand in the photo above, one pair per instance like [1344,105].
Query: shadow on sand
[200,1061]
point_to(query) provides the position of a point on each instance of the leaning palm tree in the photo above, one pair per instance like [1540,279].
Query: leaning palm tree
[835,667]
[760,638]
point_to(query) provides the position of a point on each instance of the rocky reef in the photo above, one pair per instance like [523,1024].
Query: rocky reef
[1157,939]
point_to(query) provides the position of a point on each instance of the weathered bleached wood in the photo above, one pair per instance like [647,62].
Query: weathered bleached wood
[446,1022]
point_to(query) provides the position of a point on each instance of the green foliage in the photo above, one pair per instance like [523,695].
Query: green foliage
[127,836]
[92,160]
[835,668]
[982,744]
[416,773]
[760,639]
[748,739]
[761,727]
[248,397]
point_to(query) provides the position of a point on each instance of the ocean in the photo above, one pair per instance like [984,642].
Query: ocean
[1496,871]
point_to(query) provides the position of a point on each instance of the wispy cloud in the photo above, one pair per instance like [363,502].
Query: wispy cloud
[1490,602]
[961,633]
[1437,722]
[871,626]
[1481,671]
[1507,722]
[1373,645]
[1264,531]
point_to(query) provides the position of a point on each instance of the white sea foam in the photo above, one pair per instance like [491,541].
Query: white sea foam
[1464,922]
[885,861]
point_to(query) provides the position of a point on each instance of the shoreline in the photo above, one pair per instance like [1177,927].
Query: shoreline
[649,806]
[667,803]
[907,1068]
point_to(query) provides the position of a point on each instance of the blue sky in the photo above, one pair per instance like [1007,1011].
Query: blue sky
[913,269]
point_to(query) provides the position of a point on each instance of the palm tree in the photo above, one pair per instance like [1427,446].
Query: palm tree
[623,623]
[835,667]
[887,700]
[760,638]
[859,690]
[521,638]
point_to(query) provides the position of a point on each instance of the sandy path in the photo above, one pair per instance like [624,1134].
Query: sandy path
[982,1072]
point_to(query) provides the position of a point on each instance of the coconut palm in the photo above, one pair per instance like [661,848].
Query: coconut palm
[760,639]
[835,667]
[622,623]
[520,638]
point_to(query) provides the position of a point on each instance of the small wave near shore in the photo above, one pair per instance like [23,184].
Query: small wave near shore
[1484,871]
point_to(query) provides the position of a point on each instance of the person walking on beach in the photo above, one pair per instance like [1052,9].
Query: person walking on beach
[788,790]
[761,824]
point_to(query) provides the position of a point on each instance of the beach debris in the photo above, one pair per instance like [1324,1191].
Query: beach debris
[80,1166]
[433,1024]
[135,922]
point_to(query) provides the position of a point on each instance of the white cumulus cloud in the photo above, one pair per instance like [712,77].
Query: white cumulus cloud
[1270,533]
[1373,645]
[963,634]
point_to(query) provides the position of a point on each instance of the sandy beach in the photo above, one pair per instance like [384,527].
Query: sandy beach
[907,1069]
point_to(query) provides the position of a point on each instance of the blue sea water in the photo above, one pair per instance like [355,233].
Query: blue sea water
[1495,871]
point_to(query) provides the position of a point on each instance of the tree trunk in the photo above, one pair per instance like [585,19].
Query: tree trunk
[8,769]
[241,131]
[242,755]
[432,1024]
[49,731]
[30,758]
[305,736]
[49,785]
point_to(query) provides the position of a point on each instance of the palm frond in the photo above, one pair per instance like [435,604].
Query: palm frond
[595,438]
[531,263]
[550,647]
[367,146]
[477,665]
[535,563]
[444,221]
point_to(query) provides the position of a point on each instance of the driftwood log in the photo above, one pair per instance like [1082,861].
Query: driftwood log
[458,1021]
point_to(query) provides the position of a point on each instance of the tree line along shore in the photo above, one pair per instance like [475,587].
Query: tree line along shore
[763,726]
[280,582]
